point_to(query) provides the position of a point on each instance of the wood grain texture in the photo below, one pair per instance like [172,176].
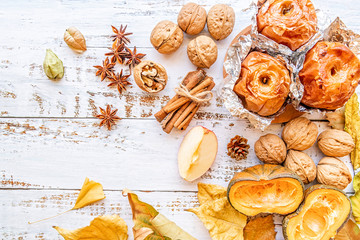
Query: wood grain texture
[50,140]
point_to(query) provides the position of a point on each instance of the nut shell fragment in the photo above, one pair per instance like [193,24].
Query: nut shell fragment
[192,18]
[333,172]
[202,51]
[270,149]
[302,165]
[335,143]
[300,134]
[150,76]
[220,21]
[166,37]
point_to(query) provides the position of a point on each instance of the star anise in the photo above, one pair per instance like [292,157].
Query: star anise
[120,35]
[108,117]
[119,81]
[106,70]
[133,57]
[118,54]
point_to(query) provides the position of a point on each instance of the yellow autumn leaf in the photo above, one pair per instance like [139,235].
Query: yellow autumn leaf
[90,192]
[352,126]
[101,228]
[217,215]
[260,228]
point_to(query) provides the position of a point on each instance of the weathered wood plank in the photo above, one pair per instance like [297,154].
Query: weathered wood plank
[60,153]
[17,207]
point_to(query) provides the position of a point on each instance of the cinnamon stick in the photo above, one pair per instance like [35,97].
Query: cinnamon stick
[188,119]
[190,81]
[182,100]
[170,125]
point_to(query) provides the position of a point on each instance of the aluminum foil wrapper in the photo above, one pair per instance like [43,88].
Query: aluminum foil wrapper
[237,52]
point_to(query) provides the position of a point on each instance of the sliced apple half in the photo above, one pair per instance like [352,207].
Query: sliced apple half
[197,153]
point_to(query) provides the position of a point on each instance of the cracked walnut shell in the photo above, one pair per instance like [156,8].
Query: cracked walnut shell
[202,51]
[333,172]
[166,37]
[335,143]
[150,76]
[300,134]
[192,18]
[302,165]
[270,149]
[220,21]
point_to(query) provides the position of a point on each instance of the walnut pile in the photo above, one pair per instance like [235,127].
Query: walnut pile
[333,172]
[300,134]
[166,37]
[335,143]
[192,18]
[270,149]
[238,148]
[302,165]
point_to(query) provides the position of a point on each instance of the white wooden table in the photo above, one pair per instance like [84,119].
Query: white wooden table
[50,140]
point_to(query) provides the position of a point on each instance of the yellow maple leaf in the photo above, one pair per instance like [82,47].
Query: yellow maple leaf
[260,228]
[352,126]
[101,228]
[90,192]
[217,215]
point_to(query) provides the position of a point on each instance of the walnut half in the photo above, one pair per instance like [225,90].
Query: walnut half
[150,76]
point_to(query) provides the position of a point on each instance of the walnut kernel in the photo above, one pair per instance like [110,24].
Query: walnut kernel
[150,76]
[192,18]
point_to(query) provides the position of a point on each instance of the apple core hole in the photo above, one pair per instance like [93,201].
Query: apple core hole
[265,80]
[286,9]
[333,71]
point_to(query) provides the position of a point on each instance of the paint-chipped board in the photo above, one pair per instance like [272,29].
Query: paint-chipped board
[17,207]
[59,153]
[26,92]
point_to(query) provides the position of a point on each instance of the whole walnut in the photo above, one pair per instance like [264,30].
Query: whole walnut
[220,21]
[302,165]
[270,149]
[202,51]
[192,18]
[300,134]
[166,37]
[335,143]
[333,172]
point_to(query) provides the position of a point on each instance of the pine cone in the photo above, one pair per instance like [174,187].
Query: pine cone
[238,148]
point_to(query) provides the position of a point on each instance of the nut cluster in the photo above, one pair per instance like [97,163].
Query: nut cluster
[300,134]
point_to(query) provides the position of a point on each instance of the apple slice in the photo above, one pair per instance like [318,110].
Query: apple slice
[197,153]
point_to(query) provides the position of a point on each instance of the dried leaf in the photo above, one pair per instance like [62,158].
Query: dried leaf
[53,66]
[356,182]
[103,227]
[260,228]
[352,126]
[90,192]
[336,119]
[355,203]
[209,192]
[350,231]
[150,225]
[74,39]
[217,215]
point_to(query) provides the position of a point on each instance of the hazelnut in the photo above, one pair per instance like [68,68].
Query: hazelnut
[302,165]
[220,21]
[335,143]
[192,18]
[270,149]
[202,51]
[333,172]
[166,37]
[150,76]
[300,133]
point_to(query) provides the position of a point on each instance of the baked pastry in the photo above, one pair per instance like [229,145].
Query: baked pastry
[263,85]
[330,74]
[288,22]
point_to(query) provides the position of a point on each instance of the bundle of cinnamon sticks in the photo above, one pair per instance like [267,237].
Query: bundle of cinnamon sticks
[180,110]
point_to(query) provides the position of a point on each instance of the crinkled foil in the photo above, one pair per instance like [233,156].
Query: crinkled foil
[293,60]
